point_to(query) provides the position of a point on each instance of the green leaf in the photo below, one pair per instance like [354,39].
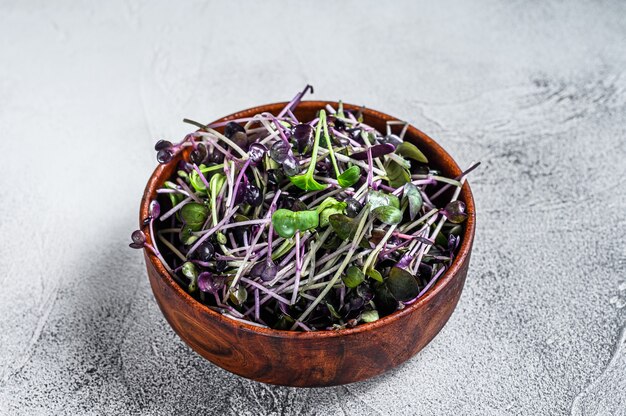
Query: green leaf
[287,222]
[389,215]
[238,295]
[441,240]
[353,277]
[189,270]
[283,249]
[384,300]
[397,174]
[349,177]
[340,110]
[332,242]
[221,238]
[374,274]
[402,284]
[381,199]
[370,316]
[333,311]
[186,235]
[328,207]
[335,209]
[344,226]
[194,215]
[307,182]
[456,230]
[170,185]
[284,222]
[411,151]
[326,203]
[305,220]
[216,183]
[284,322]
[413,195]
[174,198]
[196,181]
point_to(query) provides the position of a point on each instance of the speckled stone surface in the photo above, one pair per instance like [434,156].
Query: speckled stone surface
[536,91]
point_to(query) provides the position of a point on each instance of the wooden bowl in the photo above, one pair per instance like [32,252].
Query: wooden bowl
[322,358]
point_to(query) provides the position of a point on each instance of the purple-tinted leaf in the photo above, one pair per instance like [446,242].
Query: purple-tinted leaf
[138,237]
[279,151]
[209,283]
[233,128]
[284,308]
[377,150]
[270,272]
[240,196]
[164,156]
[303,136]
[453,242]
[391,139]
[413,195]
[256,152]
[291,167]
[155,209]
[253,195]
[162,144]
[402,284]
[455,212]
[198,155]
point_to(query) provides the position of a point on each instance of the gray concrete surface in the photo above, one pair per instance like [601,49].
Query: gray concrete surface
[535,90]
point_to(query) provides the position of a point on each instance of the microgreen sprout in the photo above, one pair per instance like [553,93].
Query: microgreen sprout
[305,225]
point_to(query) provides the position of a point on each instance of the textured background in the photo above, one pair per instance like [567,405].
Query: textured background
[535,90]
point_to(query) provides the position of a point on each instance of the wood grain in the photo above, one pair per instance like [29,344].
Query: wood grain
[322,358]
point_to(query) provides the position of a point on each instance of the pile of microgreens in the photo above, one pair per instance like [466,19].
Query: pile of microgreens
[304,224]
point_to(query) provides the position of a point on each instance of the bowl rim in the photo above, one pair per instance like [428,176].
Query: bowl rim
[443,281]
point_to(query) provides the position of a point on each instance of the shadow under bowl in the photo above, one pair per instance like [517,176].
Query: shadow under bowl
[321,358]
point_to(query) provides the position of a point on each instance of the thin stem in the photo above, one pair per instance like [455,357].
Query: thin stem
[331,283]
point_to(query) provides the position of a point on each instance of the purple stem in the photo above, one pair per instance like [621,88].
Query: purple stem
[202,177]
[458,178]
[237,224]
[175,208]
[303,326]
[238,182]
[270,238]
[387,188]
[171,191]
[342,296]
[295,101]
[370,165]
[384,254]
[188,190]
[211,231]
[262,288]
[292,253]
[296,285]
[231,238]
[257,308]
[293,116]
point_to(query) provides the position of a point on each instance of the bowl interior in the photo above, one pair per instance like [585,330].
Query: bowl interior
[438,158]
